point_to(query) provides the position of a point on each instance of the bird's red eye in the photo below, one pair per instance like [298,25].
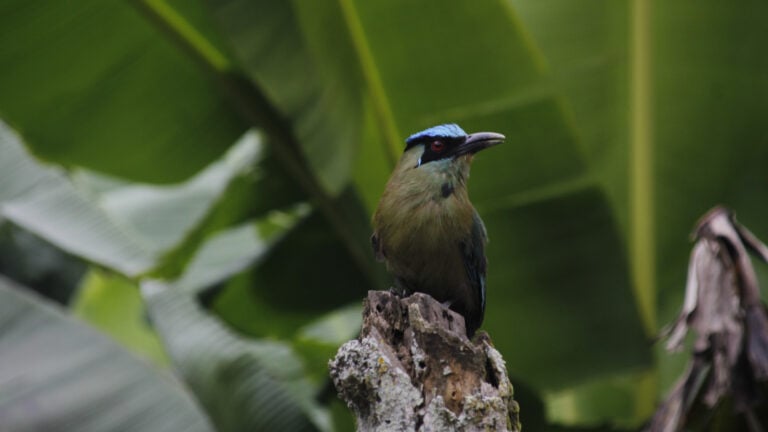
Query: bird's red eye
[437,146]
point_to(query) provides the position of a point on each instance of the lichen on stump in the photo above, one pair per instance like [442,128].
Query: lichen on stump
[413,369]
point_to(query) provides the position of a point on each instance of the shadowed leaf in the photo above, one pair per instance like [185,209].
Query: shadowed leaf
[94,84]
[58,374]
[244,384]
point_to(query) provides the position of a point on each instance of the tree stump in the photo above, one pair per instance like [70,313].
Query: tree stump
[413,369]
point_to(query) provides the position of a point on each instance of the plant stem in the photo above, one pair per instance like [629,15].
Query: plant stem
[641,166]
[373,80]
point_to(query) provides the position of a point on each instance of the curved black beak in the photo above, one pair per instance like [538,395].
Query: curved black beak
[479,141]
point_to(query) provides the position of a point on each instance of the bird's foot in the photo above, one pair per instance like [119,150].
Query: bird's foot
[400,289]
[397,291]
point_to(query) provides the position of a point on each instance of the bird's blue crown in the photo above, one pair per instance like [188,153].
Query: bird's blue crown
[449,130]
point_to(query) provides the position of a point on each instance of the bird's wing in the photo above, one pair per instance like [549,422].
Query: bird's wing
[378,251]
[475,262]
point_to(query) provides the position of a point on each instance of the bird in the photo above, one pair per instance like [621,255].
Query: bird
[425,229]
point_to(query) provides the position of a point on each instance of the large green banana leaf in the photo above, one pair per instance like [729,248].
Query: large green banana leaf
[542,207]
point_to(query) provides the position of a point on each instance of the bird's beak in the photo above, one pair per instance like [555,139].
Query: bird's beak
[479,141]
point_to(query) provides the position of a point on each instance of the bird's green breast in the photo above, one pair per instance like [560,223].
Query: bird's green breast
[423,216]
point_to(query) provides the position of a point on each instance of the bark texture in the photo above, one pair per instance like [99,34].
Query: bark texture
[413,369]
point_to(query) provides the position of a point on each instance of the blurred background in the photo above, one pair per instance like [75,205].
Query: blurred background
[186,188]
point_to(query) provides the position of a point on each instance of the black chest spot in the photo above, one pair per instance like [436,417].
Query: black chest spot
[446,190]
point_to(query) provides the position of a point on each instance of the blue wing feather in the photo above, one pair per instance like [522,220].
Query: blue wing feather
[476,266]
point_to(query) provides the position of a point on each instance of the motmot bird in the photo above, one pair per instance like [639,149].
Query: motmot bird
[426,229]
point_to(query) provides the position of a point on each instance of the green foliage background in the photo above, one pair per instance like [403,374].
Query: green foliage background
[195,179]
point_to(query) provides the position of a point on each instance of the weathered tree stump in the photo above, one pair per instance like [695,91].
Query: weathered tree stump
[413,369]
